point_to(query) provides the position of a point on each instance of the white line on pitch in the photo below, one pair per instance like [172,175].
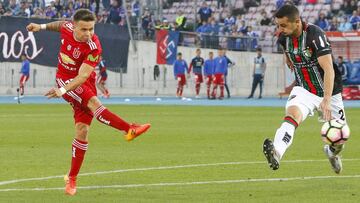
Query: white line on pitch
[162,168]
[187,183]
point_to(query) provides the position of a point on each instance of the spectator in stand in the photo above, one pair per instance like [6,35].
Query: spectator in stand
[346,8]
[214,34]
[69,12]
[242,28]
[322,22]
[333,25]
[203,31]
[49,12]
[36,4]
[145,23]
[239,18]
[164,25]
[114,13]
[265,20]
[58,5]
[253,40]
[342,68]
[229,21]
[220,3]
[14,7]
[204,12]
[136,8]
[345,25]
[354,20]
[180,21]
[2,9]
[353,5]
[23,11]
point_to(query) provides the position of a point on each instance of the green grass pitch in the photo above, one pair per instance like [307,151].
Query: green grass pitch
[197,144]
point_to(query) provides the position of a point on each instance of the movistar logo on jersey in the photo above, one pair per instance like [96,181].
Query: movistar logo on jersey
[92,58]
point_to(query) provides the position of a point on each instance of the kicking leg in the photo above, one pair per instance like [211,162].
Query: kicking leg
[103,115]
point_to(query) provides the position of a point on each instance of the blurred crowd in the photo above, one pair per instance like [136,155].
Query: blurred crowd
[107,11]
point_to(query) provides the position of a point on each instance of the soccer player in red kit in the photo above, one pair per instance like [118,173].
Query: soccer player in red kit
[79,54]
[25,74]
[196,66]
[101,79]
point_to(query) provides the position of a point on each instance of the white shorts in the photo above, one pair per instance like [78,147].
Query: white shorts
[308,103]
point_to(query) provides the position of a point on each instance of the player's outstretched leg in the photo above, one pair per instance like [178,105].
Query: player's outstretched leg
[332,153]
[283,139]
[102,114]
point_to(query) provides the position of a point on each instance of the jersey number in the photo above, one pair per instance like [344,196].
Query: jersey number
[341,112]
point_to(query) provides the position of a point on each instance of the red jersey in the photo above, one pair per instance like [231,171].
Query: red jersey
[74,53]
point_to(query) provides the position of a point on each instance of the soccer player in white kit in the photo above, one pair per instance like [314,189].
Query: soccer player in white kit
[318,84]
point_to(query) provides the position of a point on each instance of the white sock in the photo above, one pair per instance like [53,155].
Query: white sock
[335,150]
[283,138]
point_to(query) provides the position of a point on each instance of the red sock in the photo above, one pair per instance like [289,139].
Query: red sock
[214,91]
[197,87]
[105,116]
[221,90]
[181,91]
[21,90]
[78,152]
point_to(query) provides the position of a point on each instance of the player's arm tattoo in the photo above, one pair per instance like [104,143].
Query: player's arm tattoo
[54,26]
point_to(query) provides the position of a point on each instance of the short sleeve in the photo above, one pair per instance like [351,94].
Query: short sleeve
[93,58]
[66,27]
[320,43]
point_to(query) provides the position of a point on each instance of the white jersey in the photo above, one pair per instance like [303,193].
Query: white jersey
[259,65]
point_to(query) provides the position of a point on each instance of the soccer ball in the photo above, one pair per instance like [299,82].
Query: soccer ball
[335,132]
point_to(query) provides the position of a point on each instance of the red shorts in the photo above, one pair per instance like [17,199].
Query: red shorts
[219,79]
[23,79]
[198,78]
[209,79]
[181,79]
[101,80]
[79,99]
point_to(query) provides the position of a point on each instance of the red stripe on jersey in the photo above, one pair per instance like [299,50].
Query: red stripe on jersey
[295,42]
[305,72]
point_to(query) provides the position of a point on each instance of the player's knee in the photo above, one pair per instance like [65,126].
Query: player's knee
[94,103]
[295,113]
[82,131]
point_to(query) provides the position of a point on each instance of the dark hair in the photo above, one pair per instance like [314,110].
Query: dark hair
[289,11]
[84,15]
[340,57]
[258,49]
[179,54]
[198,49]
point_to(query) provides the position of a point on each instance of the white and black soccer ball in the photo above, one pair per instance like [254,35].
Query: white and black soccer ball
[335,132]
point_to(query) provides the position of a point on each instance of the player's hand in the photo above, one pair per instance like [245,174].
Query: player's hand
[53,93]
[325,108]
[33,27]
